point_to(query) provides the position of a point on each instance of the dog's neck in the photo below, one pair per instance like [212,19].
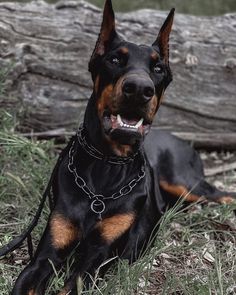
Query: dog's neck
[86,144]
[97,137]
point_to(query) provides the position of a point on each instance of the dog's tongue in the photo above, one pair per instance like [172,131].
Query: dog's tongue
[132,122]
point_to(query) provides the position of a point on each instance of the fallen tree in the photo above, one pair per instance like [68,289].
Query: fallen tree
[46,49]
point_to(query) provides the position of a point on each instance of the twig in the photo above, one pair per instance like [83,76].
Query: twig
[220,169]
[10,224]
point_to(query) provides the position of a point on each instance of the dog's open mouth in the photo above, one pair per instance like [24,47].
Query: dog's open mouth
[125,129]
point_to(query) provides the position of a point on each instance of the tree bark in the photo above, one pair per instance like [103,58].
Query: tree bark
[46,49]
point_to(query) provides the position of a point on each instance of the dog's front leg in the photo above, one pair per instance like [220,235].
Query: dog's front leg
[96,249]
[57,242]
[84,267]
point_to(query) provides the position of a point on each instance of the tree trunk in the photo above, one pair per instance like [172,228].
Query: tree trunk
[46,49]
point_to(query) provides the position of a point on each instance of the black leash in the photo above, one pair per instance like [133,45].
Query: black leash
[17,241]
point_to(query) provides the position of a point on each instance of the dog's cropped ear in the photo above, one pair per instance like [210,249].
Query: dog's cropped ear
[162,41]
[107,33]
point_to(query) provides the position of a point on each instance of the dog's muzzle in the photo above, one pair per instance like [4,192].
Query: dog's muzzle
[130,122]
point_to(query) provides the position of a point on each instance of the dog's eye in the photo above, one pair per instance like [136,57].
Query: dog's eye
[115,60]
[157,69]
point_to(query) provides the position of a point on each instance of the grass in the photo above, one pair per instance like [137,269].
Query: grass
[194,253]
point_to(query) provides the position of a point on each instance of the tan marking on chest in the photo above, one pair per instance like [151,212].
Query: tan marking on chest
[120,150]
[63,231]
[113,227]
[31,292]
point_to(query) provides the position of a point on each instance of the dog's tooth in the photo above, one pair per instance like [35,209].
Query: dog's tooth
[140,122]
[122,124]
[119,120]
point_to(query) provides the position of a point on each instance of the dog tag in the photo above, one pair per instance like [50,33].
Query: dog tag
[98,207]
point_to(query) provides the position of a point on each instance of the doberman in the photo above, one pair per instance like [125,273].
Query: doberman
[110,186]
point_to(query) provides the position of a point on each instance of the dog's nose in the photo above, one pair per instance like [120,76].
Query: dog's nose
[138,88]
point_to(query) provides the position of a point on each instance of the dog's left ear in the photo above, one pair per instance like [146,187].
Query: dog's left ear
[162,41]
[107,34]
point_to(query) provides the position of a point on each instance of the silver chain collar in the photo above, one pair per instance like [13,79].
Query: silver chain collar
[92,151]
[97,200]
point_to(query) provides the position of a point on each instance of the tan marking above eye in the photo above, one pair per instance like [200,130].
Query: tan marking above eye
[180,191]
[63,231]
[154,55]
[124,50]
[113,227]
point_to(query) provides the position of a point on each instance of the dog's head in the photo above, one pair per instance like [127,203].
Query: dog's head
[129,82]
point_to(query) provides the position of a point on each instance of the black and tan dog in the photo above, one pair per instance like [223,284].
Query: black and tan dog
[111,186]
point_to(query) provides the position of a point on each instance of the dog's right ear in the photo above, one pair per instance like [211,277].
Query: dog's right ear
[162,41]
[107,34]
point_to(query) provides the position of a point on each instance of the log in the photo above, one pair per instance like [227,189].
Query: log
[46,49]
[220,169]
[210,141]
